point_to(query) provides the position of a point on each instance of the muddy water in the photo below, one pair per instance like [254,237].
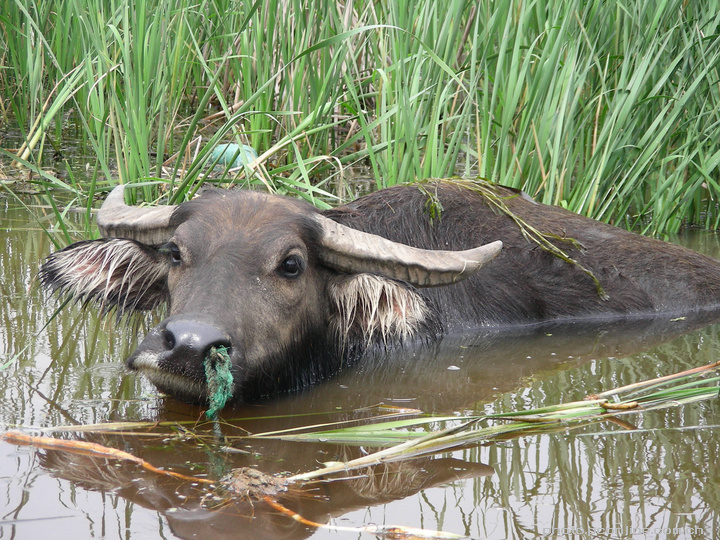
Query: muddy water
[662,480]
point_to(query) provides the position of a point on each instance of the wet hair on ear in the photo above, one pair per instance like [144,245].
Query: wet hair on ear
[376,307]
[114,272]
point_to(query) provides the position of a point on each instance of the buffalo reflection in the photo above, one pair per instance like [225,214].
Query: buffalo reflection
[193,510]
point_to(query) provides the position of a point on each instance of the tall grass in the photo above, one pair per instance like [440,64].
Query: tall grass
[609,109]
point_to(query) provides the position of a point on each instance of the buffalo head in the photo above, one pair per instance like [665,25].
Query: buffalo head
[291,294]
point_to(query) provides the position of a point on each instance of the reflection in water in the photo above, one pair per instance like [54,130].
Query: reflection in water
[189,508]
[663,475]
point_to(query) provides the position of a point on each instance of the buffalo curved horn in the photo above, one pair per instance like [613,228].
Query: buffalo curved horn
[147,225]
[349,250]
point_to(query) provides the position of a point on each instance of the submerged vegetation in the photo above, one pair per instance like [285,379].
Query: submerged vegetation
[609,109]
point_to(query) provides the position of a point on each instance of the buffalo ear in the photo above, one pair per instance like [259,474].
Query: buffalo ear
[116,273]
[372,306]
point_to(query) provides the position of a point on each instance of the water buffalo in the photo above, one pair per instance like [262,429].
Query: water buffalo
[296,294]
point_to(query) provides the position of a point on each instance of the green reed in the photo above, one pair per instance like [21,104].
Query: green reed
[610,110]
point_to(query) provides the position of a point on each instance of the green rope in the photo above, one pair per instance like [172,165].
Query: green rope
[219,379]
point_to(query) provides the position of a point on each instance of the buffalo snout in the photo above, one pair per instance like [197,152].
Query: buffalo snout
[173,355]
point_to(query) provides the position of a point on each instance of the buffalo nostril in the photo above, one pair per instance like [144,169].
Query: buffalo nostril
[193,340]
[216,346]
[168,340]
[225,344]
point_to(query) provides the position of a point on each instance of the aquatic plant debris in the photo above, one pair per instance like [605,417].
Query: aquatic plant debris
[252,484]
[219,379]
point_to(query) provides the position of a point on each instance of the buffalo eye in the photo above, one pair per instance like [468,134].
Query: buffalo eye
[173,251]
[291,267]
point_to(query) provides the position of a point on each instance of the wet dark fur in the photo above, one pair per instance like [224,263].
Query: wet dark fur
[525,284]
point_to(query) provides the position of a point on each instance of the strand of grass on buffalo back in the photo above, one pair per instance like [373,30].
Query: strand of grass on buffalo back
[488,191]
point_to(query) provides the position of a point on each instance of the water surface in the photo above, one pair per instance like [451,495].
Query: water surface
[660,480]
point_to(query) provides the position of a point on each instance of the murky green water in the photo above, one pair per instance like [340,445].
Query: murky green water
[662,480]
